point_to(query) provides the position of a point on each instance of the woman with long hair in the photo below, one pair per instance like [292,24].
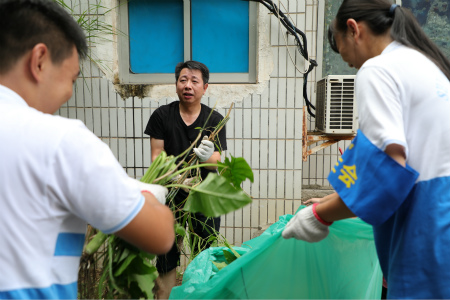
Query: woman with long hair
[396,173]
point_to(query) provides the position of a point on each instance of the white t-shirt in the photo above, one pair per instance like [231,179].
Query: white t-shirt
[403,98]
[398,104]
[55,175]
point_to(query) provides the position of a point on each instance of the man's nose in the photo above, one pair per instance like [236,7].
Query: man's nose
[188,85]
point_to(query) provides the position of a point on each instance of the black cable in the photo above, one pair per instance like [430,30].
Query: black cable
[300,39]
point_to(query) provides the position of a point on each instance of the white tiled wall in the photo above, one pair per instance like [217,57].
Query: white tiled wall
[265,129]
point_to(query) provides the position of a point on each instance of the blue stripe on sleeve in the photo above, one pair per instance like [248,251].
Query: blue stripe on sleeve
[56,291]
[128,219]
[69,244]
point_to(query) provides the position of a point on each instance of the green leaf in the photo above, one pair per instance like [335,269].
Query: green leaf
[215,196]
[237,170]
[180,230]
[125,264]
[146,282]
[230,257]
[221,265]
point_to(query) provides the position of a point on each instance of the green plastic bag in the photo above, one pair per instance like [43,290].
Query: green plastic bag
[342,266]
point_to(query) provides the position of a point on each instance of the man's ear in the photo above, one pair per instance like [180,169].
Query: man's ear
[206,87]
[39,58]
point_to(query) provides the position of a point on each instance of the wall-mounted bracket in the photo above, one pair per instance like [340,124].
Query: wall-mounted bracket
[312,137]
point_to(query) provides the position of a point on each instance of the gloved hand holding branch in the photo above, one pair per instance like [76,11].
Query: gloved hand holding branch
[205,150]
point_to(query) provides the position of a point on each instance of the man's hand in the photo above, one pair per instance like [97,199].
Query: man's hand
[307,226]
[156,190]
[205,150]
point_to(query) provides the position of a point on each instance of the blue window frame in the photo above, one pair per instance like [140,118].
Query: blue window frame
[161,33]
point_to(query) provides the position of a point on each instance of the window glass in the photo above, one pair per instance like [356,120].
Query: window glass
[220,34]
[151,50]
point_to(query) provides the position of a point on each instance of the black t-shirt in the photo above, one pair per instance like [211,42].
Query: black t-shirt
[166,124]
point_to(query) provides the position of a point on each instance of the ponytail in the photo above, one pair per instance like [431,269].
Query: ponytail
[406,30]
[381,16]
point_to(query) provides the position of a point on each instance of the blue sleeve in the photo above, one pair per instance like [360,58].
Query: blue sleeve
[370,182]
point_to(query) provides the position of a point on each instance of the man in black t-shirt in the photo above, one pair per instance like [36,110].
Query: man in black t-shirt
[173,128]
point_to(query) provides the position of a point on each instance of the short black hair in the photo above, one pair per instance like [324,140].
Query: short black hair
[25,23]
[192,65]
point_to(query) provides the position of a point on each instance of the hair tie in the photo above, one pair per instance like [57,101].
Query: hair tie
[392,9]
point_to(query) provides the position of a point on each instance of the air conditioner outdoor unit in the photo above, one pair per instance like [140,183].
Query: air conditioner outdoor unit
[336,106]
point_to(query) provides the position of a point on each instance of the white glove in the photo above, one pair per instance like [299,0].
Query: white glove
[205,150]
[157,190]
[306,226]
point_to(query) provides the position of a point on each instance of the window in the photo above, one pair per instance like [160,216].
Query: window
[160,33]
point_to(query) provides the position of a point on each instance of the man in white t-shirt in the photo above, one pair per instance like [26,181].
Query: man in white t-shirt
[55,175]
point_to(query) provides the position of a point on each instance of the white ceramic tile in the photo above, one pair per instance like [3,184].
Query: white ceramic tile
[122,148]
[246,235]
[238,123]
[264,124]
[237,241]
[138,152]
[121,122]
[255,150]
[130,160]
[255,122]
[281,154]
[247,124]
[288,207]
[129,122]
[279,209]
[263,212]
[271,211]
[282,55]
[272,185]
[246,214]
[281,93]
[273,123]
[97,121]
[254,219]
[290,92]
[281,184]
[297,184]
[264,154]
[255,186]
[229,234]
[238,148]
[96,92]
[297,204]
[272,154]
[263,187]
[273,92]
[281,124]
[238,215]
[301,5]
[290,123]
[290,184]
[104,121]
